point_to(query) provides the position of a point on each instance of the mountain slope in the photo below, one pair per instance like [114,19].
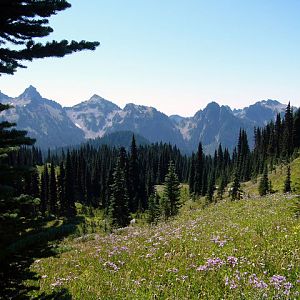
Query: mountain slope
[118,139]
[260,112]
[215,125]
[44,120]
[93,116]
[54,126]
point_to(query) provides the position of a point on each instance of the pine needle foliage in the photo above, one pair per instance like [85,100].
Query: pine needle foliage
[24,21]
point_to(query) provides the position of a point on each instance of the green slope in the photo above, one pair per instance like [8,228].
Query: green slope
[277,178]
[233,250]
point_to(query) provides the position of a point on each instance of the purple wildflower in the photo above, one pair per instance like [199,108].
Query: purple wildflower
[277,281]
[233,261]
[111,265]
[211,264]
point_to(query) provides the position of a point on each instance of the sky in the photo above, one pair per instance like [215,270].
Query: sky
[174,55]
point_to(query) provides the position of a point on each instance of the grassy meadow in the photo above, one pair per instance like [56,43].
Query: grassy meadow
[247,249]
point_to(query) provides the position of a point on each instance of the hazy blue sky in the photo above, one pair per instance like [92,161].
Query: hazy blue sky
[173,55]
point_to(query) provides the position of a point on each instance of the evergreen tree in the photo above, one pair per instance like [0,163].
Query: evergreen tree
[89,199]
[118,209]
[192,174]
[171,191]
[287,147]
[278,135]
[287,183]
[34,186]
[133,178]
[296,134]
[211,188]
[263,187]
[32,182]
[61,190]
[204,181]
[44,190]
[69,194]
[235,192]
[24,21]
[153,208]
[12,214]
[221,188]
[243,156]
[53,191]
[198,188]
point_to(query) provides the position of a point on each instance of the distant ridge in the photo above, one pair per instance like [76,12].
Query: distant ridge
[118,139]
[55,126]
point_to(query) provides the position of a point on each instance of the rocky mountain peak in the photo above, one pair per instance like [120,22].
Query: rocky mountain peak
[3,97]
[30,93]
[97,101]
[139,109]
[212,106]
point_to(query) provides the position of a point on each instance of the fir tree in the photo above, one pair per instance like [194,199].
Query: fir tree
[53,190]
[235,192]
[287,183]
[243,156]
[69,194]
[221,188]
[211,188]
[32,184]
[24,21]
[133,178]
[44,190]
[198,188]
[263,187]
[192,174]
[171,191]
[204,181]
[287,141]
[12,214]
[61,190]
[296,133]
[118,209]
[153,208]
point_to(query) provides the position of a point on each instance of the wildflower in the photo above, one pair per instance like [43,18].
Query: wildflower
[202,268]
[277,281]
[287,287]
[111,265]
[231,260]
[211,264]
[216,240]
[233,285]
[214,262]
[226,280]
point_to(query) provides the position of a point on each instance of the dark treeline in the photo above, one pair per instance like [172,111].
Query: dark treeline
[99,176]
[85,175]
[277,141]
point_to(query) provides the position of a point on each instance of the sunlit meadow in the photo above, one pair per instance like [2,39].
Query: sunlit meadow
[232,250]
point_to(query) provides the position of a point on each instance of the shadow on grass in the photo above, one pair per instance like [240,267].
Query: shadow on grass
[15,267]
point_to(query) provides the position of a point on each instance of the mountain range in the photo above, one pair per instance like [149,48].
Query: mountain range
[56,126]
